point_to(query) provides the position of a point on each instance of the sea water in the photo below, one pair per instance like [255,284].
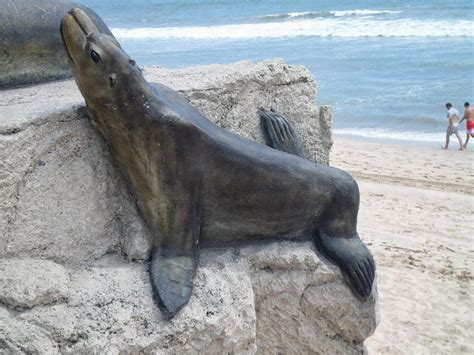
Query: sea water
[386,67]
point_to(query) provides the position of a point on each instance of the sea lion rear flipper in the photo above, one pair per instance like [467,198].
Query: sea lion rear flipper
[279,133]
[355,260]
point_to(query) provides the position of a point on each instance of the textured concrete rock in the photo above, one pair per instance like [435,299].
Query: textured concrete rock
[64,197]
[31,282]
[272,298]
[64,200]
[20,337]
[303,306]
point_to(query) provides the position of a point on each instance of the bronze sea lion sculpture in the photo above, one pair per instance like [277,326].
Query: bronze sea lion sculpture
[31,49]
[197,183]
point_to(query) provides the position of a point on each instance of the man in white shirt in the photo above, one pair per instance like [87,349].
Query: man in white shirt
[453,125]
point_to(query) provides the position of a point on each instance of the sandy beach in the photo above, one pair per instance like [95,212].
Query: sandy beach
[417,213]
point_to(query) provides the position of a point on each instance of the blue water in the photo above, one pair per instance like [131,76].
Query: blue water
[386,67]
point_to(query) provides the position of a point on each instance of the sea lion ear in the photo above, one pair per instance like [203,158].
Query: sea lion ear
[112,80]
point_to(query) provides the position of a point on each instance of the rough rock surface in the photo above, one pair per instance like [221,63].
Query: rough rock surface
[274,298]
[63,200]
[25,284]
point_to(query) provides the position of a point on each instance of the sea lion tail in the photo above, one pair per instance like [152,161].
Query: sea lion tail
[279,133]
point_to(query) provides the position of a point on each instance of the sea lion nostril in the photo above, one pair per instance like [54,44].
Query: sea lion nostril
[132,62]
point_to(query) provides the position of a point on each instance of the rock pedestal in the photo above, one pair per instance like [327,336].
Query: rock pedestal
[73,271]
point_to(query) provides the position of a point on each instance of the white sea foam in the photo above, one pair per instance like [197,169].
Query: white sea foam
[314,14]
[298,14]
[323,27]
[381,133]
[363,12]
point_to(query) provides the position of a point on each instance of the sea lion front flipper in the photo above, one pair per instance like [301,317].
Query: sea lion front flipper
[174,260]
[172,277]
[279,133]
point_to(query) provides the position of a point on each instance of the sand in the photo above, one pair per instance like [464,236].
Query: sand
[417,216]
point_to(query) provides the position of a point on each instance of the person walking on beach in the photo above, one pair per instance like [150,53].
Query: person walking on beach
[453,125]
[469,117]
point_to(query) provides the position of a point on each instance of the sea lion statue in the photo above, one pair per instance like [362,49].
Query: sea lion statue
[31,49]
[198,184]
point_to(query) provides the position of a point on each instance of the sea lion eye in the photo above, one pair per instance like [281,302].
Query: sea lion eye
[96,57]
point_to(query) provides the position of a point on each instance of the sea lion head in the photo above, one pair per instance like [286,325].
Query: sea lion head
[100,66]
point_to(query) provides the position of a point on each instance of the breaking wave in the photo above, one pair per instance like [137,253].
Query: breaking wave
[318,14]
[321,27]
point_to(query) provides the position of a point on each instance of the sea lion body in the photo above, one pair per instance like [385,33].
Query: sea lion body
[257,192]
[198,183]
[244,190]
[31,48]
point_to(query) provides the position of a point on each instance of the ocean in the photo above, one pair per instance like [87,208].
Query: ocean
[386,67]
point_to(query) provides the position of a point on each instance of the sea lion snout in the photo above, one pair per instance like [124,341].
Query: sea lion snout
[74,37]
[84,21]
[79,33]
